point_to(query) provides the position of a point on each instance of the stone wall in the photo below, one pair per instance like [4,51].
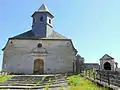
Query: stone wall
[91,66]
[19,56]
[112,63]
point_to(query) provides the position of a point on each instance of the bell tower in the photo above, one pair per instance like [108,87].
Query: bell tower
[42,25]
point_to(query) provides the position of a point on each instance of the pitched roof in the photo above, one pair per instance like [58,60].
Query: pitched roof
[55,35]
[91,64]
[30,35]
[106,57]
[43,8]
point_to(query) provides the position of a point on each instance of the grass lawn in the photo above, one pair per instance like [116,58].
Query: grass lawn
[77,83]
[4,77]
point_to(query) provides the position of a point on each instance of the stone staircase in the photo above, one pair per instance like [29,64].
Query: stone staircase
[33,82]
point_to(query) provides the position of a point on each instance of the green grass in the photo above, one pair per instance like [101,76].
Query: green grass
[77,83]
[5,77]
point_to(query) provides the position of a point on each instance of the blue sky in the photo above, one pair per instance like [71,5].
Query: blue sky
[93,25]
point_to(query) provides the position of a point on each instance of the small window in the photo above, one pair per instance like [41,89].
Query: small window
[41,19]
[50,21]
[11,42]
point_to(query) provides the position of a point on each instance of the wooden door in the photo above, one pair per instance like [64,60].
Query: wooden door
[38,66]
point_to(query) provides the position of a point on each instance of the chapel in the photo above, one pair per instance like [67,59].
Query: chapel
[107,63]
[41,49]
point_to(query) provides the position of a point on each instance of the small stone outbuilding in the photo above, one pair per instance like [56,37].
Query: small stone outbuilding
[107,63]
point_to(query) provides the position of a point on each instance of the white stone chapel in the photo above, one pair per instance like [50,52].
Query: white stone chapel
[39,50]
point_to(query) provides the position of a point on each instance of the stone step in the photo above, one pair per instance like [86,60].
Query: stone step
[25,83]
[28,81]
[33,84]
[30,87]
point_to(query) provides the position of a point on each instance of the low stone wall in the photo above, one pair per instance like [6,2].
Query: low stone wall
[3,73]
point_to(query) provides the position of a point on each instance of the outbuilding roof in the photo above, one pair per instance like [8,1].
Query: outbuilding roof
[106,57]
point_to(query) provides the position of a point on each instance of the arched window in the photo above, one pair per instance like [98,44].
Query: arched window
[50,21]
[41,19]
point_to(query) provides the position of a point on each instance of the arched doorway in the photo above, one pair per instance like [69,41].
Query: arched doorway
[38,66]
[107,66]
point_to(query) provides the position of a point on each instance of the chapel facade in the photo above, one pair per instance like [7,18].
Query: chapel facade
[41,49]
